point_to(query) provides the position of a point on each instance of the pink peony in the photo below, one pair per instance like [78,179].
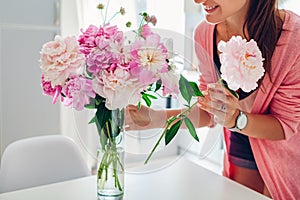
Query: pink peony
[117,38]
[170,82]
[100,37]
[118,88]
[108,31]
[60,59]
[99,59]
[87,39]
[149,58]
[50,91]
[108,50]
[242,63]
[78,91]
[119,52]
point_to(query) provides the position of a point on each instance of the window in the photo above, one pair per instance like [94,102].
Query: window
[292,5]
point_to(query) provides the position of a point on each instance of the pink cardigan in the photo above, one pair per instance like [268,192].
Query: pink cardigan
[278,161]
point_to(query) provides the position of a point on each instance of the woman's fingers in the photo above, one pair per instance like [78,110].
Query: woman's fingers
[221,103]
[218,105]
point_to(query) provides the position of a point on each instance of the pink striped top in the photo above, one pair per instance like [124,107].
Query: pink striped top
[278,161]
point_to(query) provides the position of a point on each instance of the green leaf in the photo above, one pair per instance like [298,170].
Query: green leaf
[114,129]
[231,91]
[150,96]
[95,102]
[103,139]
[188,89]
[117,121]
[88,73]
[149,88]
[92,104]
[170,134]
[157,85]
[121,116]
[191,128]
[93,120]
[185,89]
[146,99]
[196,89]
[102,115]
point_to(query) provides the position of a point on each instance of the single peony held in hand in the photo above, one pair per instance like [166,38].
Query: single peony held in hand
[241,63]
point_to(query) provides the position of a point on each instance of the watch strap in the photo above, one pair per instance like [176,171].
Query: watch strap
[235,128]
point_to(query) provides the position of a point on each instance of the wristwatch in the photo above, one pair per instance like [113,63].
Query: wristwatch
[241,122]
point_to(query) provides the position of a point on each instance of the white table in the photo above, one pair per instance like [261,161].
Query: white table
[175,179]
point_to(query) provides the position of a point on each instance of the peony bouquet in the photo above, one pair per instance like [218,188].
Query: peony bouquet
[105,70]
[100,65]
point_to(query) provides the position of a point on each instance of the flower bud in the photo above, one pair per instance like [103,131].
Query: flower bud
[122,11]
[100,6]
[147,19]
[144,14]
[153,20]
[128,24]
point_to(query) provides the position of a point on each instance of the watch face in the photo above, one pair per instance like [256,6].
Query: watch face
[241,121]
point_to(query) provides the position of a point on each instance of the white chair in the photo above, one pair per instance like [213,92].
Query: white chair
[39,161]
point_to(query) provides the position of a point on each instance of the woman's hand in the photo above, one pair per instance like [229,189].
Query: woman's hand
[221,103]
[144,118]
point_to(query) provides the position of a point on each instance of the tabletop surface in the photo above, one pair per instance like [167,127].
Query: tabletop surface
[171,179]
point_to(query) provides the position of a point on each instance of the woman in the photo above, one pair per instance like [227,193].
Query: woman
[262,147]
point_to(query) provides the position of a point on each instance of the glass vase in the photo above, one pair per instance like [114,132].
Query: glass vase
[110,173]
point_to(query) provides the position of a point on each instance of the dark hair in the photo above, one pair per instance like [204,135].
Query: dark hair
[264,25]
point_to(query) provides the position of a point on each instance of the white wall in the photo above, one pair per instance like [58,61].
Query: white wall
[292,5]
[25,112]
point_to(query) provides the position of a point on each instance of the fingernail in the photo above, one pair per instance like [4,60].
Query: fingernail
[205,93]
[201,106]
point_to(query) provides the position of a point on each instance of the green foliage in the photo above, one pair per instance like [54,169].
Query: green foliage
[188,89]
[230,90]
[139,105]
[102,115]
[196,90]
[95,102]
[147,98]
[92,104]
[103,138]
[170,134]
[191,128]
[158,85]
